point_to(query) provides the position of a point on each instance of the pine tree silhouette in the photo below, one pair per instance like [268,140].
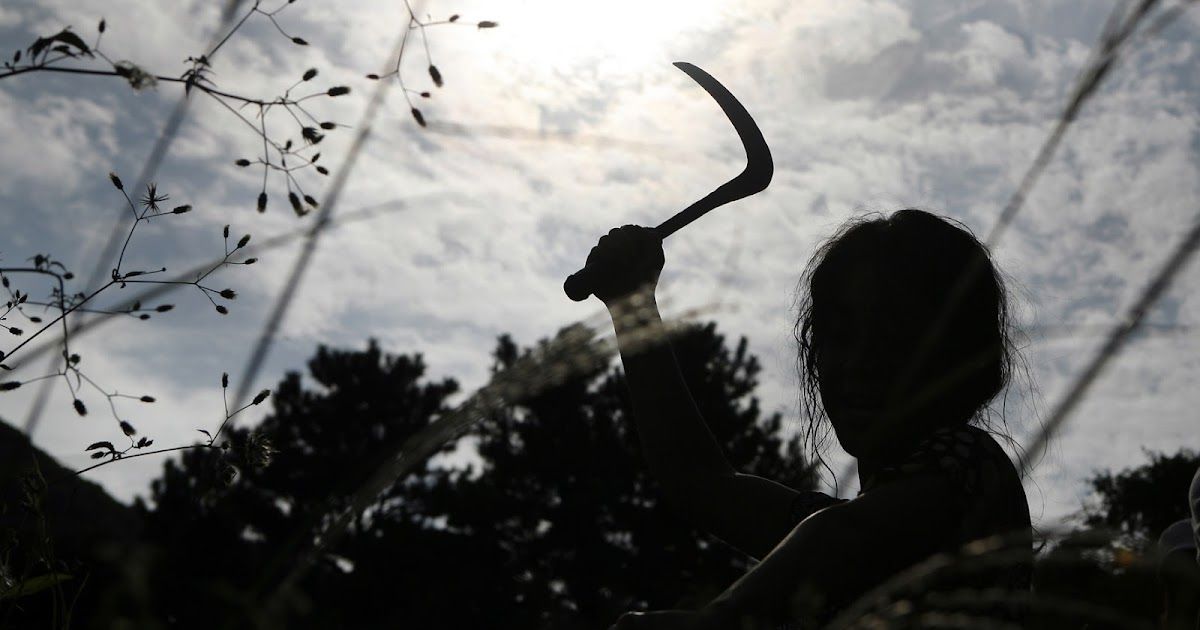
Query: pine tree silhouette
[556,525]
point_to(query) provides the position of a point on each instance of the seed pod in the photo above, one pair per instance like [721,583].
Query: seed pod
[262,201]
[229,474]
[309,74]
[311,135]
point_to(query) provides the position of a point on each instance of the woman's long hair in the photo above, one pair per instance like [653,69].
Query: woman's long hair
[942,288]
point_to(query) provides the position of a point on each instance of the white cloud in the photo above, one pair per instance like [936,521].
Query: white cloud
[69,133]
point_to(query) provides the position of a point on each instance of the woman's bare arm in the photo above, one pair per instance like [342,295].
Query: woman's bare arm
[847,548]
[748,512]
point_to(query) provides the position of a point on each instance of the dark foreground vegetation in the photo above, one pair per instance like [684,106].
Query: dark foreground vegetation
[554,525]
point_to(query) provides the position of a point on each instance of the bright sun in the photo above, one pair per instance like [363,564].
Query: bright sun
[610,36]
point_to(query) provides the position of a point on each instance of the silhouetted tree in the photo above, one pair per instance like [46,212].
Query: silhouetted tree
[225,535]
[55,529]
[555,525]
[564,493]
[1110,563]
[1141,502]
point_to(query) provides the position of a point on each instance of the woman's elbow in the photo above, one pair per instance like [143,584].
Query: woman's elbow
[694,498]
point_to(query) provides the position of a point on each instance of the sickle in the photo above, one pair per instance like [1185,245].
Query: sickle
[759,165]
[754,178]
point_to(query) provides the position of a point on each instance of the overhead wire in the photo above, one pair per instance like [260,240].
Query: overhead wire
[158,152]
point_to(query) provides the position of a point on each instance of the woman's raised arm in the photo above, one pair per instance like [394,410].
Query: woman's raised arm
[748,512]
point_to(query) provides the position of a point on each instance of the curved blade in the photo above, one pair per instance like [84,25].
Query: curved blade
[759,165]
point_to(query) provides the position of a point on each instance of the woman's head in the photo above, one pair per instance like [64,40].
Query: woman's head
[903,329]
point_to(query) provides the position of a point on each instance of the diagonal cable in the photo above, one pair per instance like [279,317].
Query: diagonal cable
[283,302]
[165,139]
[1116,340]
[1119,32]
[255,249]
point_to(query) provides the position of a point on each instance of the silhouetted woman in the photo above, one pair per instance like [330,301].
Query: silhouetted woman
[903,343]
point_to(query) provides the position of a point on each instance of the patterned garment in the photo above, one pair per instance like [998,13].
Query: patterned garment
[989,501]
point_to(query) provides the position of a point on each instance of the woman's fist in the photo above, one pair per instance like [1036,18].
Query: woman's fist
[627,259]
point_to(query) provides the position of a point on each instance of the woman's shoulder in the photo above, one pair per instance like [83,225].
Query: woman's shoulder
[966,456]
[984,487]
[981,497]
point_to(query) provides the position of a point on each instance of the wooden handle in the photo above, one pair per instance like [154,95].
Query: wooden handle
[578,285]
[753,179]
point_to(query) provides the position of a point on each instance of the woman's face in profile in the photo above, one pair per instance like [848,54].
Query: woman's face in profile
[894,357]
[860,352]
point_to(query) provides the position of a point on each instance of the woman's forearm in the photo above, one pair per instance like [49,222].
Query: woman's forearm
[782,587]
[679,448]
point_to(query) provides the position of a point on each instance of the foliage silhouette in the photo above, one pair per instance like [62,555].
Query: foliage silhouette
[1141,502]
[76,530]
[541,531]
[1111,561]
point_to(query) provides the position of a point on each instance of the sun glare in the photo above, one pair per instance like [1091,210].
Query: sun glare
[617,36]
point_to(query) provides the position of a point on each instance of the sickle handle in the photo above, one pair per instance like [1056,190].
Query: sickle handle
[753,179]
[578,285]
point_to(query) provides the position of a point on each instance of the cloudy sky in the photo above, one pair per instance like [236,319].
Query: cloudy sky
[568,120]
